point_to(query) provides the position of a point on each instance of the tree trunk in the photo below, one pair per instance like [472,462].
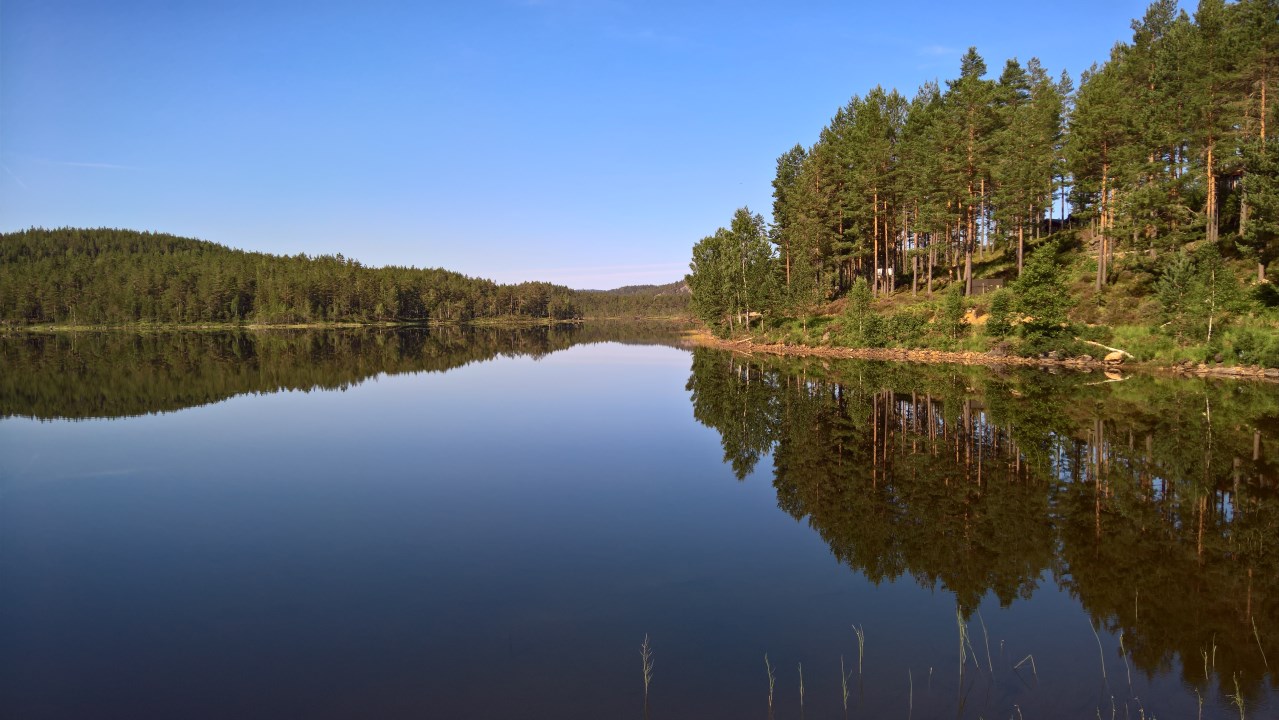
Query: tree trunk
[890,255]
[985,235]
[1063,200]
[1210,206]
[1110,242]
[1101,259]
[1101,227]
[874,285]
[932,258]
[787,247]
[1039,221]
[1021,244]
[914,263]
[969,241]
[968,272]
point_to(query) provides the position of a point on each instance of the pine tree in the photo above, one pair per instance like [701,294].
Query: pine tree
[1014,171]
[1099,137]
[1041,295]
[786,207]
[918,182]
[1255,32]
[1260,235]
[969,113]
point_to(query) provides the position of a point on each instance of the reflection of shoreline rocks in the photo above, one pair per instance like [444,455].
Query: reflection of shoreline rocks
[992,359]
[120,373]
[987,481]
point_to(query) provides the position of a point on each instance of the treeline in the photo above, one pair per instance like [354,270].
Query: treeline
[991,484]
[636,301]
[1160,149]
[106,276]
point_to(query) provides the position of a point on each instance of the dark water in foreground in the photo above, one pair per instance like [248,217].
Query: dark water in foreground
[487,524]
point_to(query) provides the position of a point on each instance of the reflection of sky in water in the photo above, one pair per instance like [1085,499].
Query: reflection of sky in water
[491,541]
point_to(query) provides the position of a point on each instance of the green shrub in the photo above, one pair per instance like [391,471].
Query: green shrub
[1096,333]
[1253,347]
[906,329]
[1198,294]
[862,326]
[999,323]
[1043,297]
[950,320]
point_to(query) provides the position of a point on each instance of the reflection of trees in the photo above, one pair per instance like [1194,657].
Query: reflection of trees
[119,373]
[1150,500]
[730,398]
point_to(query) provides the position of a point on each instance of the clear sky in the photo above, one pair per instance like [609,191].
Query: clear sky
[586,142]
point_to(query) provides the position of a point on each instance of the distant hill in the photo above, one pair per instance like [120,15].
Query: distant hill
[669,300]
[110,276]
[679,287]
[107,276]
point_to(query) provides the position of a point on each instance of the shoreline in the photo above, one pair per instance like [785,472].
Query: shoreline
[258,327]
[50,328]
[749,347]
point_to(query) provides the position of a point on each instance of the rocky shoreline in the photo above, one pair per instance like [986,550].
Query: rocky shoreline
[1111,363]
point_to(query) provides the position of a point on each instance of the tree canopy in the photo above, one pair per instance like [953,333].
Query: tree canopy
[1161,146]
[109,276]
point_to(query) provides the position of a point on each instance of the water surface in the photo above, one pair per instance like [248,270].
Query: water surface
[488,523]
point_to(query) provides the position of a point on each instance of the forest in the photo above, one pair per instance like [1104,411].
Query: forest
[1149,188]
[104,276]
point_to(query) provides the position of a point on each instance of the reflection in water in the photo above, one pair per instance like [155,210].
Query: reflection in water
[1152,501]
[498,542]
[120,373]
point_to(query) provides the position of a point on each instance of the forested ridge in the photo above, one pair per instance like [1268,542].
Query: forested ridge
[115,277]
[637,301]
[1151,188]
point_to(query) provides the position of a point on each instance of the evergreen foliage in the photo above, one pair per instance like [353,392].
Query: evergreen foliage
[951,318]
[1198,293]
[860,319]
[1041,297]
[107,276]
[1165,148]
[999,322]
[116,277]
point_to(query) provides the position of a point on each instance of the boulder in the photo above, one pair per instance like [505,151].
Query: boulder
[1115,358]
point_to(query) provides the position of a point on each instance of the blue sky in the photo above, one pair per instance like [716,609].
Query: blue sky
[586,142]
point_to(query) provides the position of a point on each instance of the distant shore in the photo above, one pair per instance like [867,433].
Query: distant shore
[172,327]
[514,322]
[748,346]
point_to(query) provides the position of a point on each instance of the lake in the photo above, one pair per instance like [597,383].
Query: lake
[481,523]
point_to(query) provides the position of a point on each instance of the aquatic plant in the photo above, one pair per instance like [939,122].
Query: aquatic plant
[772,680]
[646,658]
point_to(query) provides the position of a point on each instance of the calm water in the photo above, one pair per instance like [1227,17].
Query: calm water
[487,524]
